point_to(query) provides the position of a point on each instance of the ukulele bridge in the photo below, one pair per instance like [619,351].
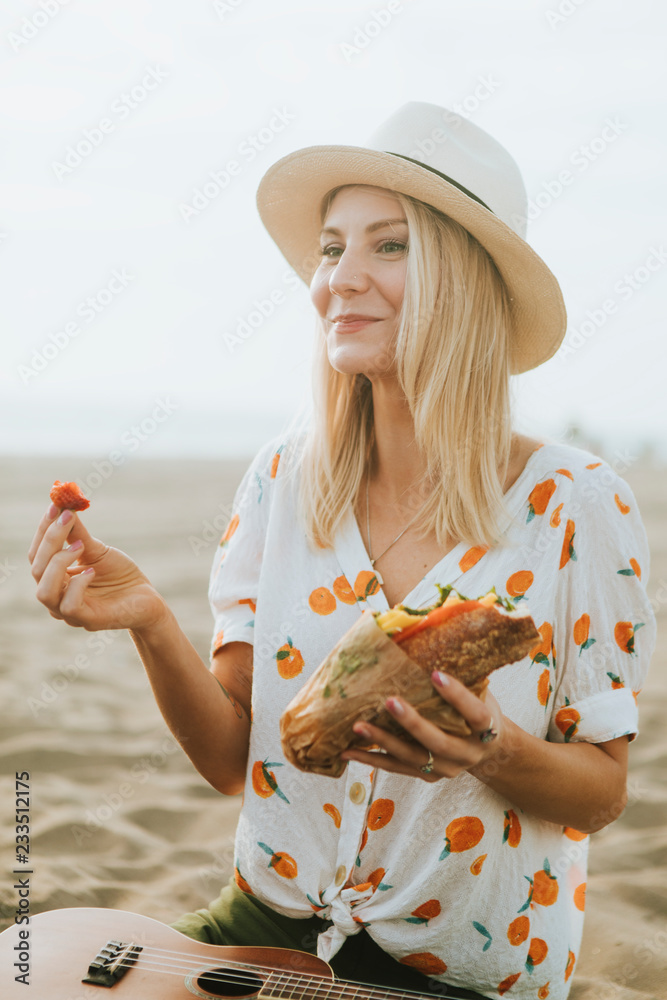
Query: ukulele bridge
[111,963]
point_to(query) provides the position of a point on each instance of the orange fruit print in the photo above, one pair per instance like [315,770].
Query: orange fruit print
[289,660]
[538,501]
[544,687]
[366,584]
[573,834]
[637,568]
[567,719]
[554,520]
[580,630]
[518,930]
[380,813]
[241,882]
[264,781]
[512,831]
[624,635]
[230,529]
[274,463]
[462,834]
[567,552]
[331,810]
[540,652]
[375,878]
[508,983]
[476,866]
[519,583]
[580,896]
[569,968]
[343,590]
[543,992]
[322,601]
[545,888]
[281,862]
[623,507]
[425,962]
[472,557]
[536,953]
[425,912]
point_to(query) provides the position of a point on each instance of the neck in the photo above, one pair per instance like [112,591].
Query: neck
[396,463]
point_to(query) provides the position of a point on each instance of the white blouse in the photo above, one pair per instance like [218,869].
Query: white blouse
[447,877]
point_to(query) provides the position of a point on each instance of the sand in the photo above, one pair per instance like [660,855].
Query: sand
[120,818]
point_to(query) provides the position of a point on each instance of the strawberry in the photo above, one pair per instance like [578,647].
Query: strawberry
[68,496]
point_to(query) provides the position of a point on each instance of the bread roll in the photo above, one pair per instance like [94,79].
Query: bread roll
[366,666]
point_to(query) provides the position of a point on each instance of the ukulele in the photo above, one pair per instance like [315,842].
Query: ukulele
[87,953]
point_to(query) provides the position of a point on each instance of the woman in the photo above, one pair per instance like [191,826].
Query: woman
[453,865]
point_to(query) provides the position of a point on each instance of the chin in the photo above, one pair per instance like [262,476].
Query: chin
[377,365]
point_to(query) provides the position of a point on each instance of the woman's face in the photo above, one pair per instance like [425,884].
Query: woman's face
[359,285]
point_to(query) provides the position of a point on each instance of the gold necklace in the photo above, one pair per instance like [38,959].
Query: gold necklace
[368,532]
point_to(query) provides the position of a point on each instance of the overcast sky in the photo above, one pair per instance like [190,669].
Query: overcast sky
[119,296]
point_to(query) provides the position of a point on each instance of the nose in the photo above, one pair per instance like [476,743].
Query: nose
[348,275]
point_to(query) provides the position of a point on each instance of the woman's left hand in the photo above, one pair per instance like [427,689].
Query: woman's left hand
[436,754]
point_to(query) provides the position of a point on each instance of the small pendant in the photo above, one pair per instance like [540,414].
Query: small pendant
[378,576]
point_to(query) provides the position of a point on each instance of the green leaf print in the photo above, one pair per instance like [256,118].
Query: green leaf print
[483,931]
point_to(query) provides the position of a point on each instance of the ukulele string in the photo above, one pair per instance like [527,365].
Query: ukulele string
[282,979]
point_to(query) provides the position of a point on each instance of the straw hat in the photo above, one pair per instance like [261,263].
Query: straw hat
[444,160]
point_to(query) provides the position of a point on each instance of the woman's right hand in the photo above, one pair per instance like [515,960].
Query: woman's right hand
[89,584]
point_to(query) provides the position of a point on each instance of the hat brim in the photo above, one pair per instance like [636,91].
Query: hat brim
[289,198]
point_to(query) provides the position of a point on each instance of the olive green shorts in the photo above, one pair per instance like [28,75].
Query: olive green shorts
[239,919]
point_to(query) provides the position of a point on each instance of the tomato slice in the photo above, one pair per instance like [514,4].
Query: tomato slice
[436,617]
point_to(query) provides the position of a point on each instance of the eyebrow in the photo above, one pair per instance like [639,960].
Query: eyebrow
[369,229]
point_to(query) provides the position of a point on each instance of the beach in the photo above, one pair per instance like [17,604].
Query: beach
[119,816]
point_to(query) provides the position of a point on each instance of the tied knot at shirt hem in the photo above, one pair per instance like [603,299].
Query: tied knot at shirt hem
[344,924]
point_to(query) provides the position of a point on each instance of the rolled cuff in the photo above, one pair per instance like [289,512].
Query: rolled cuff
[235,625]
[597,719]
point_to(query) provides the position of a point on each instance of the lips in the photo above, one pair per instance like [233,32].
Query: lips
[353,318]
[351,322]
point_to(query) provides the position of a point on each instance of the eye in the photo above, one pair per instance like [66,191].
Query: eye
[394,246]
[330,250]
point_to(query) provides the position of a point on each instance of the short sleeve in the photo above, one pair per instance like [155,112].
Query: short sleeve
[605,628]
[234,580]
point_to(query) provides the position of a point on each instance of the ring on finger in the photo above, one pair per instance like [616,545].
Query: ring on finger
[489,734]
[428,766]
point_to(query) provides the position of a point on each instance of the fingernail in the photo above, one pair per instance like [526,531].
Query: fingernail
[52,511]
[442,680]
[395,706]
[75,545]
[65,517]
[88,572]
[361,729]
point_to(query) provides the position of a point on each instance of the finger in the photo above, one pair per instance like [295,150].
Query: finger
[474,711]
[48,518]
[397,748]
[383,760]
[53,583]
[73,604]
[52,541]
[454,752]
[67,528]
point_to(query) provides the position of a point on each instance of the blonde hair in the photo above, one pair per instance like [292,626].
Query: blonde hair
[452,363]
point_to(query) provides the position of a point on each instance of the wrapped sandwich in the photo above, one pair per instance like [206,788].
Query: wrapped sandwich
[394,653]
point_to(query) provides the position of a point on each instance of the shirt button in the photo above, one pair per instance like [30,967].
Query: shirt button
[357,793]
[341,872]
